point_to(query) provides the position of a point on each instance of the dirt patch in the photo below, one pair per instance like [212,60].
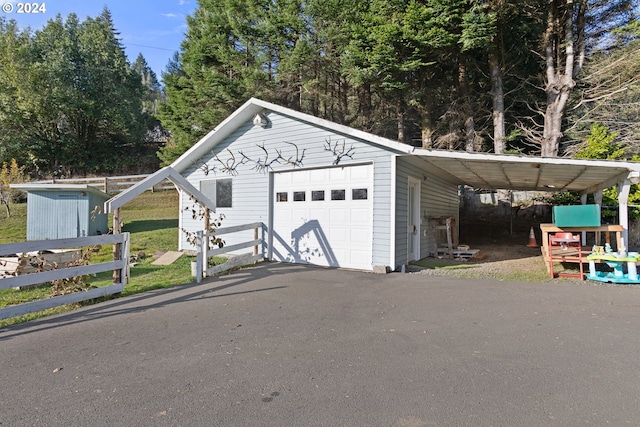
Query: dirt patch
[498,261]
[503,253]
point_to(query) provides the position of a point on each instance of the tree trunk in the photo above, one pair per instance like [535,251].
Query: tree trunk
[467,108]
[426,122]
[497,95]
[562,65]
[470,134]
[6,206]
[556,105]
[400,118]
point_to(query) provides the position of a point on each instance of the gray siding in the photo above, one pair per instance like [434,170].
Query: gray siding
[63,214]
[251,186]
[437,198]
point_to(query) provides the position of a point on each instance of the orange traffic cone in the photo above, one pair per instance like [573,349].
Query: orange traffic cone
[532,240]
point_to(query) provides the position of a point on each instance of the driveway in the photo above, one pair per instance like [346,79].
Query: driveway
[287,345]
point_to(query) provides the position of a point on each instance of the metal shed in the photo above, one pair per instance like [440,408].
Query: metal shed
[60,211]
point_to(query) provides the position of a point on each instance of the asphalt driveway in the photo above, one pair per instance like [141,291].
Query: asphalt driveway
[287,345]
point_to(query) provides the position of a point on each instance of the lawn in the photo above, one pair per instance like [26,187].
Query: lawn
[152,220]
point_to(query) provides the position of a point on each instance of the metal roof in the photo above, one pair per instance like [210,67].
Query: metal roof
[59,187]
[515,172]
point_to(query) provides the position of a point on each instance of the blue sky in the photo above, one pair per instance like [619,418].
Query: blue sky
[154,28]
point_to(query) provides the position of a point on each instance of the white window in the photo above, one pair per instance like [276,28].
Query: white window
[218,190]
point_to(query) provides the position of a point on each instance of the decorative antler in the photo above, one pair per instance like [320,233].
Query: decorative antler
[288,161]
[204,167]
[339,152]
[230,166]
[265,164]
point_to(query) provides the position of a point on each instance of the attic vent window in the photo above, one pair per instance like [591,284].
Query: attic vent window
[261,120]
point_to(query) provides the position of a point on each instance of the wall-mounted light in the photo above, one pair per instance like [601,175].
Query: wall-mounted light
[261,120]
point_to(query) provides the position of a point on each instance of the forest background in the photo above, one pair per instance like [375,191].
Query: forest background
[549,78]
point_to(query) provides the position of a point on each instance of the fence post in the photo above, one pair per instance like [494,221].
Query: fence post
[205,252]
[117,247]
[255,237]
[199,256]
[124,254]
[106,184]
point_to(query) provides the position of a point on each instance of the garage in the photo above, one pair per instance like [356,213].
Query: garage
[324,216]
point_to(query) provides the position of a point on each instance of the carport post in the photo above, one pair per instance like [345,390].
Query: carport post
[623,209]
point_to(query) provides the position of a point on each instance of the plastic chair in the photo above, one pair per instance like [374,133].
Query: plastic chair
[565,247]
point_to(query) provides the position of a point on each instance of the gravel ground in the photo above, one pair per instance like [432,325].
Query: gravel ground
[494,261]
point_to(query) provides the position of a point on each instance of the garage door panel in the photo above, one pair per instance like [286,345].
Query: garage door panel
[361,173]
[339,236]
[360,257]
[338,215]
[318,176]
[299,215]
[359,236]
[339,254]
[320,214]
[360,215]
[338,175]
[319,230]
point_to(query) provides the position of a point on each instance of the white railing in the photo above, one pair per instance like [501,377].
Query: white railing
[110,184]
[120,265]
[203,251]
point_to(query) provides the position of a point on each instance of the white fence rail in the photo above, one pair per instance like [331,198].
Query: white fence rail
[121,265]
[110,184]
[203,251]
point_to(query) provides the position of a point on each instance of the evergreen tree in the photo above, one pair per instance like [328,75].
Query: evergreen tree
[436,73]
[76,107]
[15,57]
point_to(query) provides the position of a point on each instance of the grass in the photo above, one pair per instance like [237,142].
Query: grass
[434,264]
[14,229]
[152,220]
[530,272]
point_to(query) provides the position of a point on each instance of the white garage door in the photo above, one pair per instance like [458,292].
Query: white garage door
[324,216]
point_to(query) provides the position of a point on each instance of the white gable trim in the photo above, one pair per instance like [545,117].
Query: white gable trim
[165,173]
[254,106]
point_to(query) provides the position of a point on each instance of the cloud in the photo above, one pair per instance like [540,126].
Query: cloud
[171,15]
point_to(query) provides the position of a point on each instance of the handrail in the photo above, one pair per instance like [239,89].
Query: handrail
[203,251]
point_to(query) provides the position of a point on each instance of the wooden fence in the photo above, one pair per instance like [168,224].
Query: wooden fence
[203,251]
[110,184]
[120,265]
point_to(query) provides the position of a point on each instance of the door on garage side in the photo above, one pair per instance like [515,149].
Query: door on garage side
[413,220]
[324,216]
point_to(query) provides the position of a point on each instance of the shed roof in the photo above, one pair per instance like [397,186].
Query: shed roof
[60,187]
[478,170]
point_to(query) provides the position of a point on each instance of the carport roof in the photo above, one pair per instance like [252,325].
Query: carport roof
[528,173]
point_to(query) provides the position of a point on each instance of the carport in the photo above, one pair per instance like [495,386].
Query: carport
[529,173]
